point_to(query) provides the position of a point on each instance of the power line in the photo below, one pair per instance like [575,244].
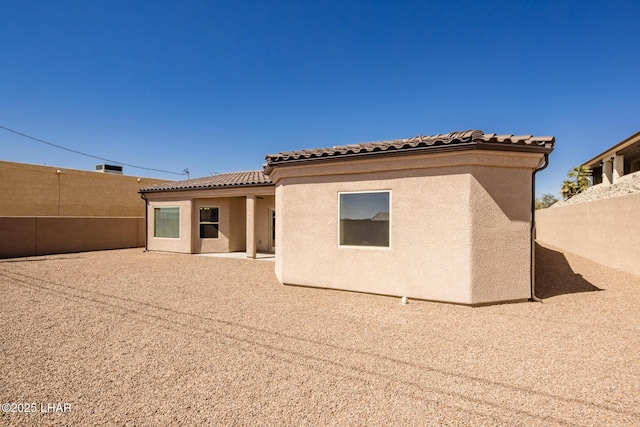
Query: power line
[94,157]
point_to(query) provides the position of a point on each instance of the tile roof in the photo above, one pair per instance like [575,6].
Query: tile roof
[475,138]
[231,179]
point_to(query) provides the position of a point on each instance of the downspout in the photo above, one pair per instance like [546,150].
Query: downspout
[146,222]
[532,268]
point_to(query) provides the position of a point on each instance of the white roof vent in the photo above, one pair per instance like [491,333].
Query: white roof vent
[109,169]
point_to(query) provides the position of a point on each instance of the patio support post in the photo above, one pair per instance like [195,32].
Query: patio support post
[251,226]
[607,172]
[618,167]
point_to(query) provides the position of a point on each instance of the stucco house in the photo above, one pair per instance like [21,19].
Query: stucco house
[231,212]
[614,163]
[445,217]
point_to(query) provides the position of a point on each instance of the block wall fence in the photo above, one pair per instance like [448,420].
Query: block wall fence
[48,210]
[605,231]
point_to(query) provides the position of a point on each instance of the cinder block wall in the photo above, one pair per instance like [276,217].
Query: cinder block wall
[29,236]
[47,209]
[605,231]
[33,190]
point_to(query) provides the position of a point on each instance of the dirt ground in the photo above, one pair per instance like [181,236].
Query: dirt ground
[132,338]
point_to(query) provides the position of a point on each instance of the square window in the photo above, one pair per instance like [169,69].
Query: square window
[166,222]
[364,218]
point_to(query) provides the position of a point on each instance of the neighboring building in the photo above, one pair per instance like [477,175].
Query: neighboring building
[445,217]
[611,165]
[231,212]
[35,190]
[47,209]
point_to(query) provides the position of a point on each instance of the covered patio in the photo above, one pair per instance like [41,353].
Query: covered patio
[226,213]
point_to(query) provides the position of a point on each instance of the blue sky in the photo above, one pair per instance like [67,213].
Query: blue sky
[213,86]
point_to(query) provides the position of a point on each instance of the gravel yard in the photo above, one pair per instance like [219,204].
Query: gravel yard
[131,338]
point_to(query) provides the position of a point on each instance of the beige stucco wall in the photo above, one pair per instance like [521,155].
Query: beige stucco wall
[605,231]
[500,234]
[237,234]
[263,219]
[232,229]
[184,243]
[459,226]
[33,190]
[221,244]
[29,236]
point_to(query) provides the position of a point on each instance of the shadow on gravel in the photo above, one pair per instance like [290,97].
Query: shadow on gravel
[554,275]
[42,258]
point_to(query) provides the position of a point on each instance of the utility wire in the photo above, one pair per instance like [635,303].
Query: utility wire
[185,172]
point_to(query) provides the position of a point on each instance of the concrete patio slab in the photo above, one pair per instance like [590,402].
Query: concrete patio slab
[261,256]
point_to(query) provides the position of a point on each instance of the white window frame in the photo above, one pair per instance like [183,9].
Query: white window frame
[369,248]
[179,222]
[208,222]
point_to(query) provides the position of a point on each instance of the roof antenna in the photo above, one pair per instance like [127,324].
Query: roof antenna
[186,172]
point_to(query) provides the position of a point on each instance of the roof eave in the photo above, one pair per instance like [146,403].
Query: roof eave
[547,147]
[630,140]
[210,187]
